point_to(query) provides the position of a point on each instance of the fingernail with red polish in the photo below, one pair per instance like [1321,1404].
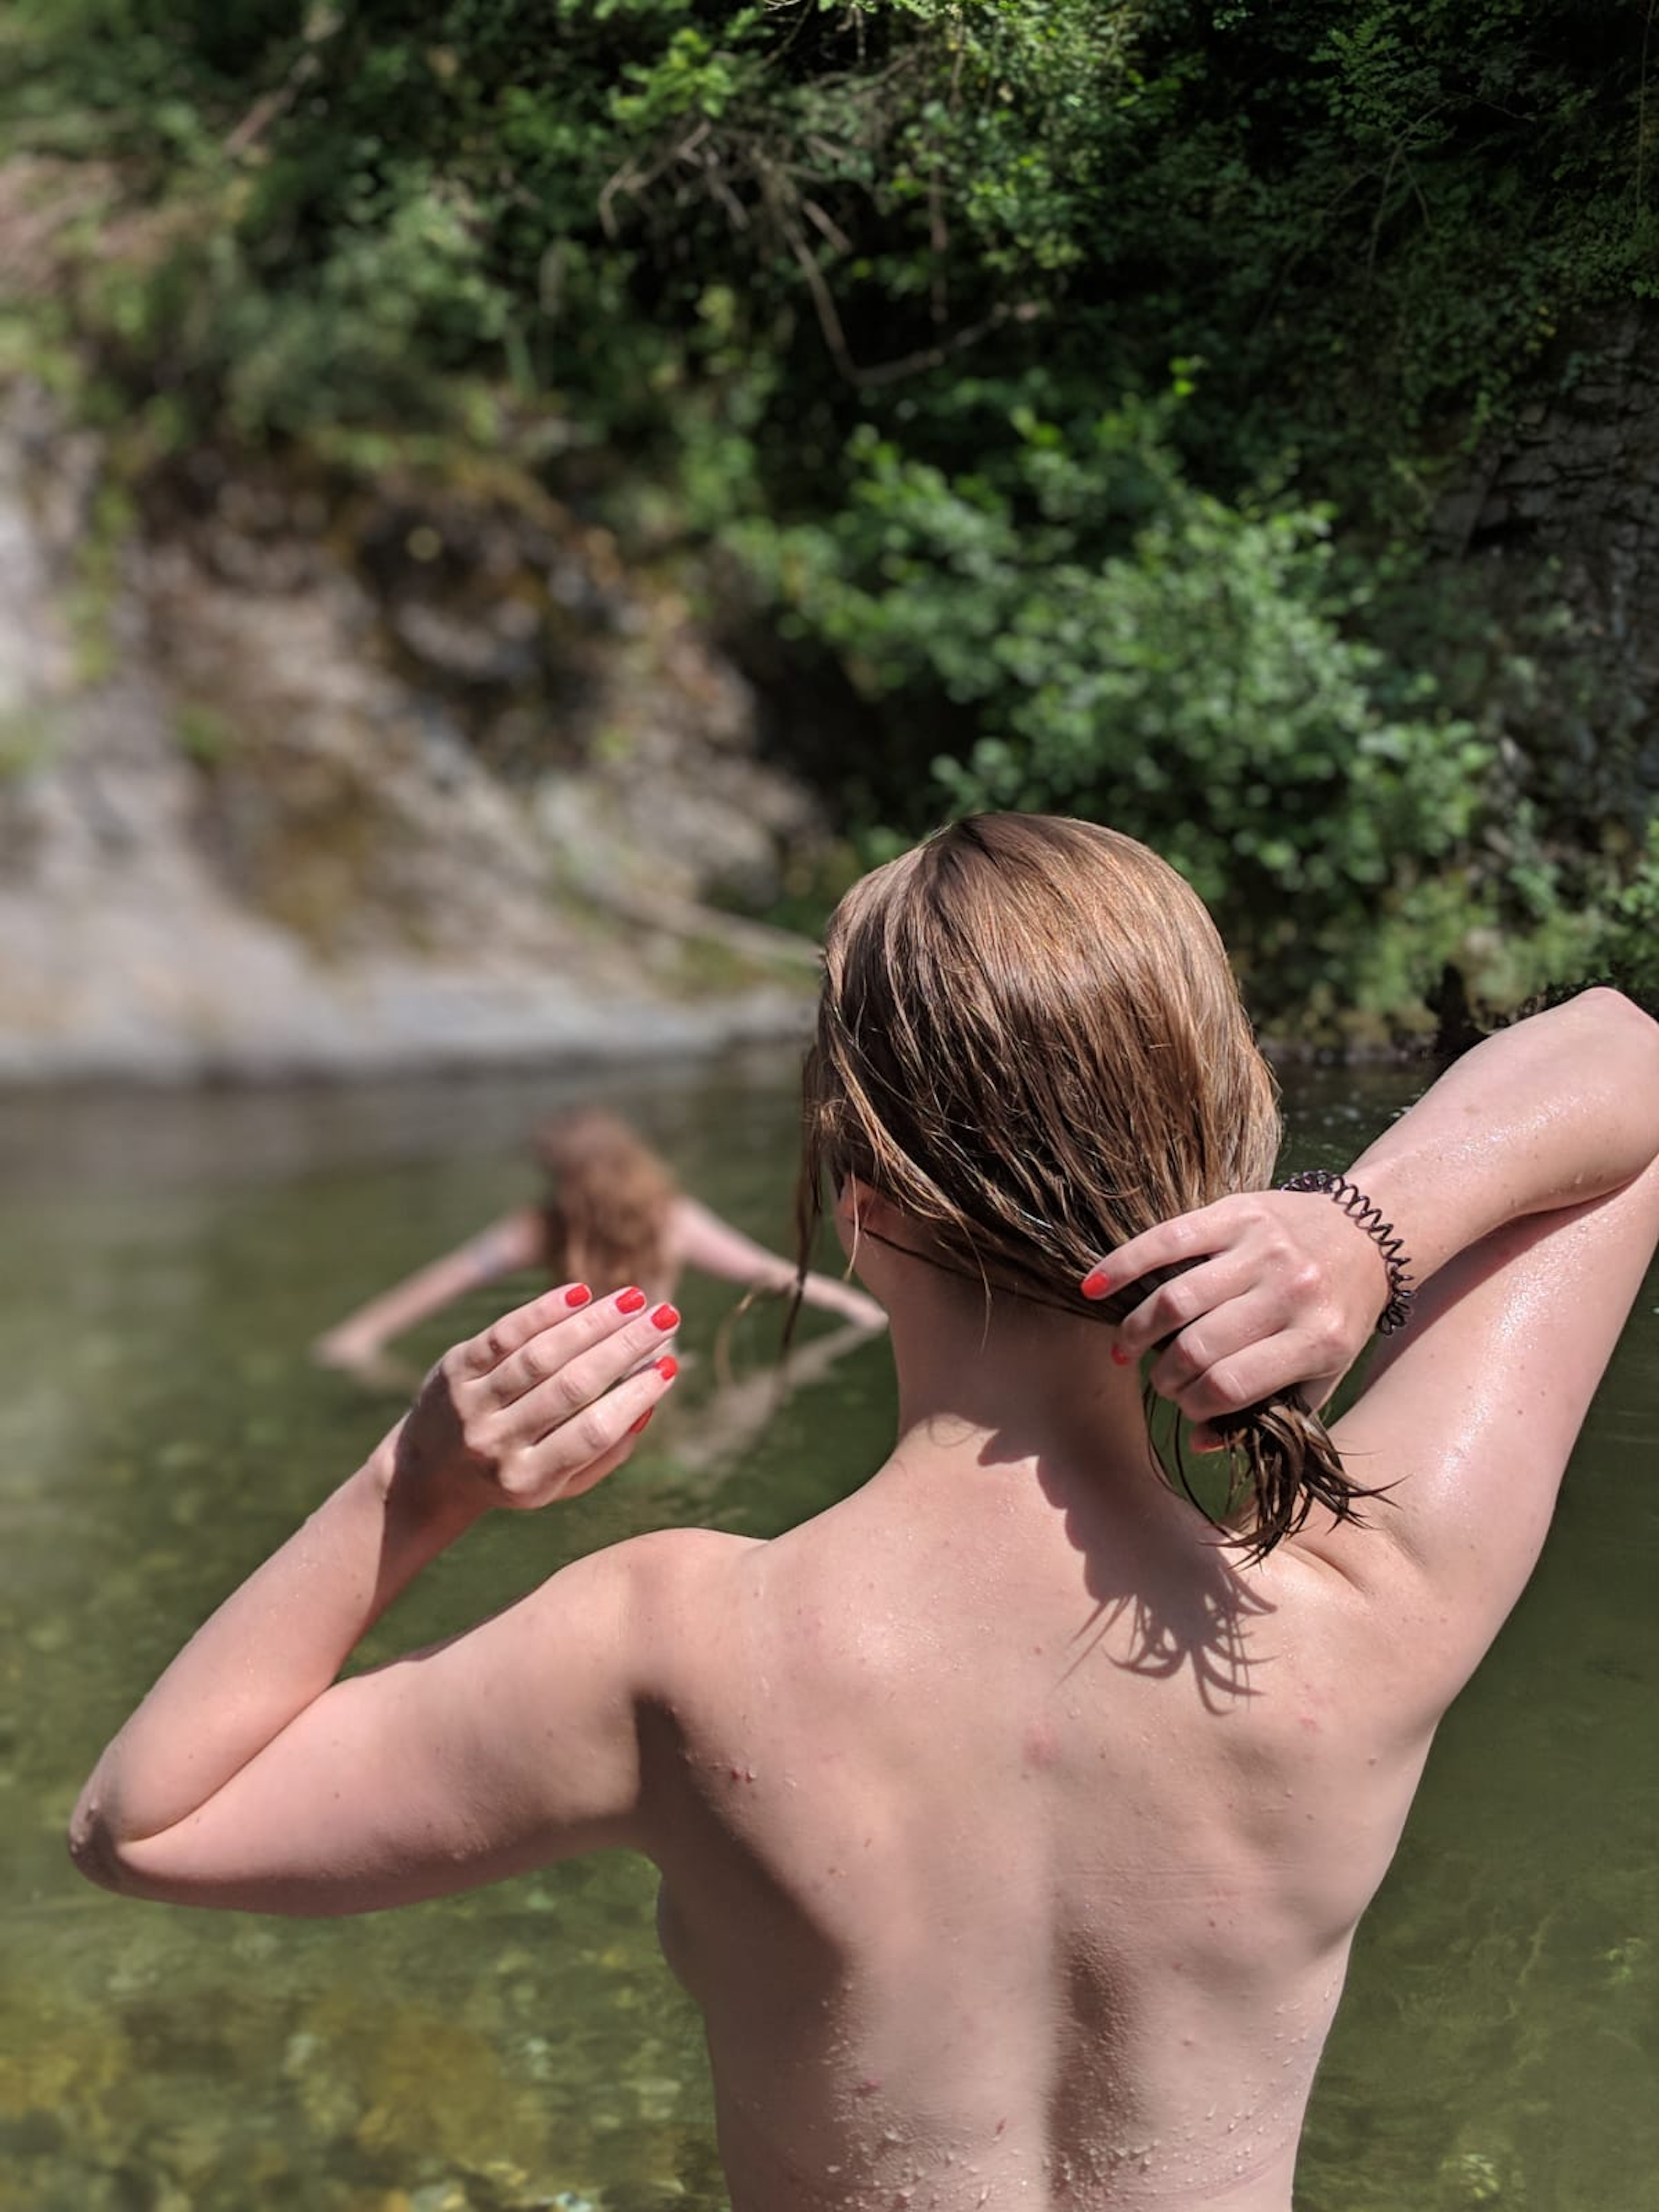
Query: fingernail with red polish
[668,1367]
[577,1295]
[1095,1284]
[1120,1358]
[666,1317]
[633,1427]
[630,1300]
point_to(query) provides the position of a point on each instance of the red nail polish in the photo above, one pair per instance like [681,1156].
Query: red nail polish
[630,1300]
[633,1427]
[1095,1284]
[668,1367]
[1120,1358]
[666,1317]
[577,1295]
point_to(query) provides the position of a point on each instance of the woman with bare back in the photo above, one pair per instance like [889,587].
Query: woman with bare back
[1014,1816]
[612,1214]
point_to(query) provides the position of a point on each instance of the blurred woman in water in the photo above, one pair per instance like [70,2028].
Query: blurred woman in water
[1014,1814]
[613,1215]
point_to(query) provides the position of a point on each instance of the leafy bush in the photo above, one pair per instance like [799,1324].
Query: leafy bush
[1629,945]
[880,294]
[1369,215]
[1195,687]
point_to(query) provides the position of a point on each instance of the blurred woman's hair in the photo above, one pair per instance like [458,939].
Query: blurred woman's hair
[606,1217]
[1030,1043]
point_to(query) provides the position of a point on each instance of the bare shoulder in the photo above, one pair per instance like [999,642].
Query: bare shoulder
[626,1616]
[676,1566]
[666,1566]
[678,1592]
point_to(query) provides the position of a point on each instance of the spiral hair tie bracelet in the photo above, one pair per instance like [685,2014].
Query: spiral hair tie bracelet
[1363,1215]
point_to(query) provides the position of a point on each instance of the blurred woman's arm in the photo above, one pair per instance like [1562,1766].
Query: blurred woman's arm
[515,1241]
[703,1240]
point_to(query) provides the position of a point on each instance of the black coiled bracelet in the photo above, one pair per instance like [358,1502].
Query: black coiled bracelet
[1360,1210]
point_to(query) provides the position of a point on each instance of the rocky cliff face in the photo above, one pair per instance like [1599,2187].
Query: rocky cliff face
[1556,528]
[296,782]
[300,777]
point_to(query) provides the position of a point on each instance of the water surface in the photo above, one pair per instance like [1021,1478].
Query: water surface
[160,1429]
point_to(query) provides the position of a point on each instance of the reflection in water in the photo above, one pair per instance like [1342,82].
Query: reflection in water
[160,1429]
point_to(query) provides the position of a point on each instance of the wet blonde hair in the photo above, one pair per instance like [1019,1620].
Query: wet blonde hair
[1030,1043]
[605,1218]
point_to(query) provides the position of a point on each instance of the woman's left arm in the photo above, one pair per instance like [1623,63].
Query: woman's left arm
[1281,1288]
[250,1776]
[702,1240]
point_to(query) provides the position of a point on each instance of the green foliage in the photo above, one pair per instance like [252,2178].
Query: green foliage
[204,734]
[1629,943]
[880,295]
[27,739]
[92,593]
[1366,202]
[1195,686]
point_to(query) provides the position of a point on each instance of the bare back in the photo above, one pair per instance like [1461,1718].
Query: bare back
[1013,1834]
[1014,1839]
[1071,1927]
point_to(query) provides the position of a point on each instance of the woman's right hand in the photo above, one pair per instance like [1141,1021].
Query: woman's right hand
[1276,1289]
[543,1405]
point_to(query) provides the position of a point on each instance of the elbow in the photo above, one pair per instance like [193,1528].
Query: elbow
[1622,1025]
[90,1849]
[1613,1011]
[94,1849]
[1611,1003]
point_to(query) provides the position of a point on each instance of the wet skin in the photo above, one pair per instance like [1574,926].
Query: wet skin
[1013,1835]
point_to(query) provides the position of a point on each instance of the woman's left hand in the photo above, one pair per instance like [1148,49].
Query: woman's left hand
[542,1406]
[1277,1291]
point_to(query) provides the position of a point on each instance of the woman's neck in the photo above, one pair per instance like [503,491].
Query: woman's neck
[1002,1377]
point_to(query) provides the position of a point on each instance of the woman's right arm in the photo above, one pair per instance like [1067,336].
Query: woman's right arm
[517,1241]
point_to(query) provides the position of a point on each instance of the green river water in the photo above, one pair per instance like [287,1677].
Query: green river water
[167,1260]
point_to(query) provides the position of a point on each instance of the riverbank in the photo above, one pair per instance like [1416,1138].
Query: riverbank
[297,787]
[256,1015]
